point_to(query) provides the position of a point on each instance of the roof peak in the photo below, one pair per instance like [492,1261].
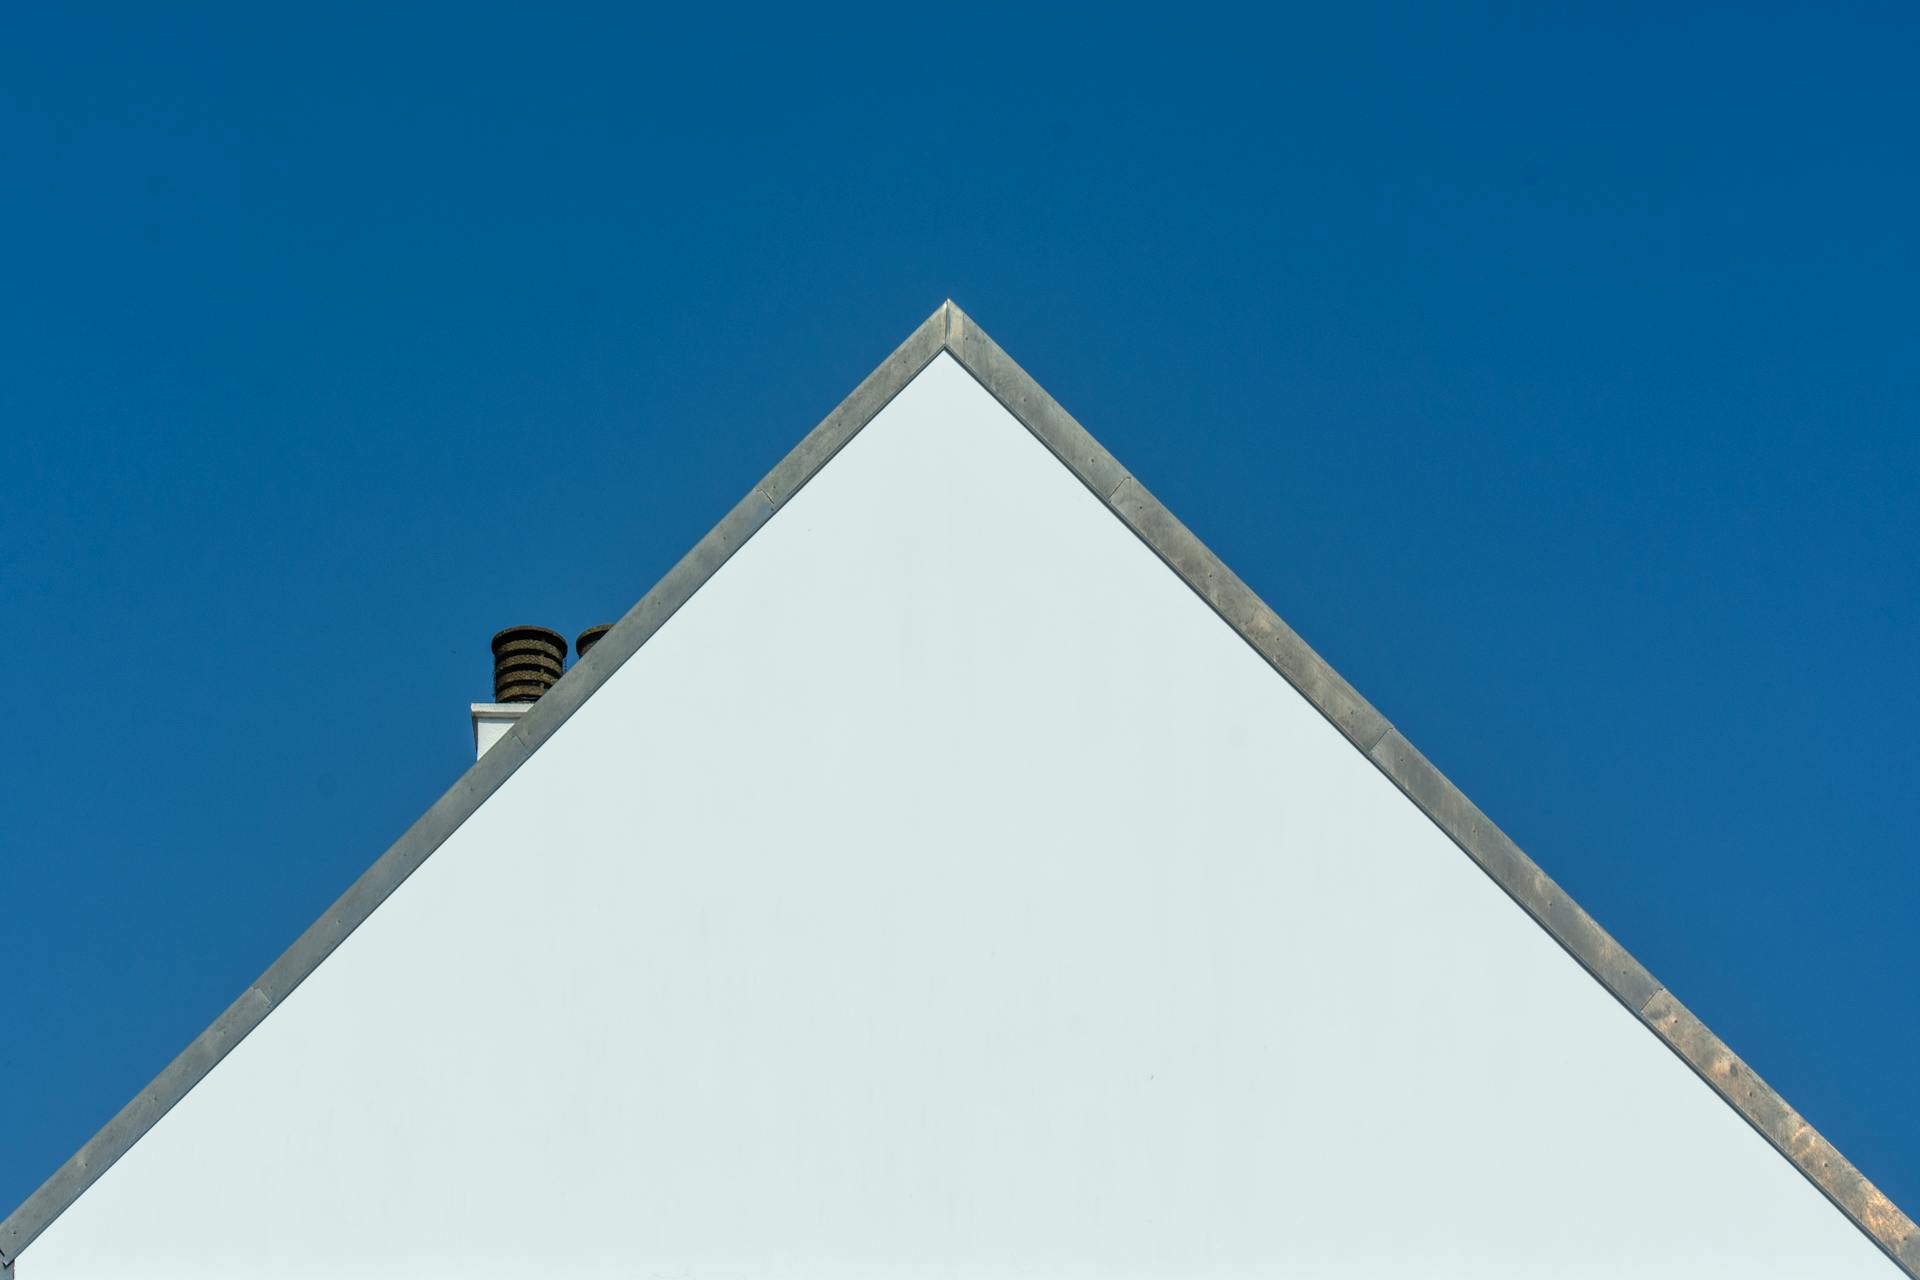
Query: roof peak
[951,331]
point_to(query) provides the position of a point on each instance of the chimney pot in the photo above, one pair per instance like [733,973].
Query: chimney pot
[590,637]
[526,662]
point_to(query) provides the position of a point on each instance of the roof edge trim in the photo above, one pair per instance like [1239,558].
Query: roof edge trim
[950,330]
[487,774]
[1490,848]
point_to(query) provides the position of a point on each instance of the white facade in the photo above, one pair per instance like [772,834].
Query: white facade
[946,890]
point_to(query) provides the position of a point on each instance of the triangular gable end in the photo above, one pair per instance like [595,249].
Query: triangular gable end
[949,331]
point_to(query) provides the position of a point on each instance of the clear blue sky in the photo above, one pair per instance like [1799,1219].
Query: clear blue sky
[1555,377]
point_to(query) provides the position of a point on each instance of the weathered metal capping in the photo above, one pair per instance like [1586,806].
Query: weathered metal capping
[873,394]
[134,1119]
[1513,870]
[1430,790]
[1247,614]
[801,464]
[206,1050]
[428,832]
[1783,1127]
[1232,599]
[559,698]
[1029,402]
[949,329]
[486,775]
[640,623]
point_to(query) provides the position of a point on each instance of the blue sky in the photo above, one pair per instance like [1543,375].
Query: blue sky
[1555,376]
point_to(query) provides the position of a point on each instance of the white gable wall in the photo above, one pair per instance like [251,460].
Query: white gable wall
[945,890]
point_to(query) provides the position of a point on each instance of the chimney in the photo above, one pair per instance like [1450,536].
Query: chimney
[589,638]
[526,662]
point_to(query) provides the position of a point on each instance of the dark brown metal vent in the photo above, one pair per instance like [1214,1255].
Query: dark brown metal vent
[526,662]
[590,637]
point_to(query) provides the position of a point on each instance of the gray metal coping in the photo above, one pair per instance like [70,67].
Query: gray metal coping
[950,330]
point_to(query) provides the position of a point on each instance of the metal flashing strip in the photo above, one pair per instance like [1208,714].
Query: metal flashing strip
[951,331]
[1490,848]
[487,775]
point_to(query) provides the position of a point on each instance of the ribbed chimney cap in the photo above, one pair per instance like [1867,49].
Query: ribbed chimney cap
[590,637]
[526,662]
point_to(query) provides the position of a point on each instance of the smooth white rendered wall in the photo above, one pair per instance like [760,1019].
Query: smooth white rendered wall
[946,891]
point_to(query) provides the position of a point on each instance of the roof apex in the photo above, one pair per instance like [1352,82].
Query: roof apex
[952,331]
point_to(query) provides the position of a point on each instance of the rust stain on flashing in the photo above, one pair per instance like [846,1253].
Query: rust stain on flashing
[1763,1108]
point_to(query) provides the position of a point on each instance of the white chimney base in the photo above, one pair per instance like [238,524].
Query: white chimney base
[492,720]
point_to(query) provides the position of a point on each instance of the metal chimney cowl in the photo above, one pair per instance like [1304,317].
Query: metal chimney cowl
[526,663]
[589,638]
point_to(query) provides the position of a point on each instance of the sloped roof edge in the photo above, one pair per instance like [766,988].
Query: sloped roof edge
[949,329]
